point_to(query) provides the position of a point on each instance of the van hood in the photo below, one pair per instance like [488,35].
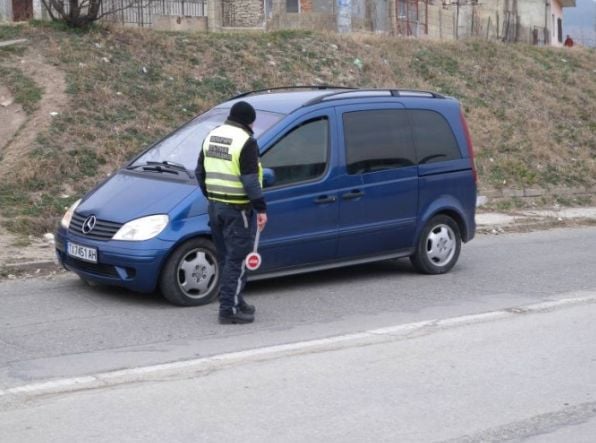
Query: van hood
[127,196]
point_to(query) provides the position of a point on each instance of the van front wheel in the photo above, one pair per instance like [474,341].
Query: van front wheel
[438,247]
[191,274]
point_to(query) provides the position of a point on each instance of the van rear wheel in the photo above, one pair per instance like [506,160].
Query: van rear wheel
[191,274]
[438,247]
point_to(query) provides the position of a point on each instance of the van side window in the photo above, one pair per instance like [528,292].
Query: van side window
[377,140]
[433,137]
[301,154]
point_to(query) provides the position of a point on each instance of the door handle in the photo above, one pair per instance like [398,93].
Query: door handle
[352,194]
[325,199]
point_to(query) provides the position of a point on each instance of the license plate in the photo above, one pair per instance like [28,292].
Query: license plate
[82,252]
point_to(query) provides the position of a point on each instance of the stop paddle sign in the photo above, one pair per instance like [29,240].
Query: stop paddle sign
[253,260]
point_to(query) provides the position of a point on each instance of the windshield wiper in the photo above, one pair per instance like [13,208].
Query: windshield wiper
[163,166]
[168,163]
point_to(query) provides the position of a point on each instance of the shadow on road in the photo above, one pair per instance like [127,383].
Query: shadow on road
[306,282]
[117,295]
[313,280]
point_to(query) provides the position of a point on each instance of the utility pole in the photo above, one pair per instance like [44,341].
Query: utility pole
[344,16]
[457,20]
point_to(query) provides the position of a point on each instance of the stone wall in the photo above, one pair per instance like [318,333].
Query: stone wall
[527,195]
[242,13]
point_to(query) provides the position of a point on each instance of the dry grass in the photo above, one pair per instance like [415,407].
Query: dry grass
[531,110]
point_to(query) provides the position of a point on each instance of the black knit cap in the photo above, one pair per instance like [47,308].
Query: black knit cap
[242,112]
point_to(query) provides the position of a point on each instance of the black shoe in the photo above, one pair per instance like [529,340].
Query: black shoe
[229,318]
[245,308]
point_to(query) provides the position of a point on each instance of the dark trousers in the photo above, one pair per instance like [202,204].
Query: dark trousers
[233,228]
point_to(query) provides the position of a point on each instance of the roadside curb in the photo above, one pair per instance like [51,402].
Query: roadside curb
[29,268]
[492,222]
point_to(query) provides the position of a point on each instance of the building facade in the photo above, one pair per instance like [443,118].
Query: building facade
[538,22]
[20,10]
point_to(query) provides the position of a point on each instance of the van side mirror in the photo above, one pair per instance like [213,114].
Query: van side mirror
[268,177]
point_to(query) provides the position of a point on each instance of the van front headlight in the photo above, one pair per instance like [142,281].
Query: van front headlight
[142,228]
[65,222]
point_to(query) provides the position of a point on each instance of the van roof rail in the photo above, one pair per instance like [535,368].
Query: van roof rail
[281,88]
[367,93]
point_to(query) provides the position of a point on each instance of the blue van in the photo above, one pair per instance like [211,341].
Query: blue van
[351,176]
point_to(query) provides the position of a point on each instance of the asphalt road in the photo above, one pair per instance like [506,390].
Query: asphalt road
[60,327]
[500,349]
[524,374]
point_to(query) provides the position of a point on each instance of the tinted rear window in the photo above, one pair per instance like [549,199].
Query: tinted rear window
[377,140]
[433,137]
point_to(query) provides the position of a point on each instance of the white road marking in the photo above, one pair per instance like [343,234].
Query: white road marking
[196,366]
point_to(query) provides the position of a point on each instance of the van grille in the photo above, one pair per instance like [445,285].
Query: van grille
[103,230]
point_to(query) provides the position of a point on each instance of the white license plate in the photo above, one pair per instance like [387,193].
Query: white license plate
[82,252]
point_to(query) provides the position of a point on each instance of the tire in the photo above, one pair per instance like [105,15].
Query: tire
[438,247]
[191,274]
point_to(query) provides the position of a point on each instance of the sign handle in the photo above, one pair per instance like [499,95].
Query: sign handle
[257,237]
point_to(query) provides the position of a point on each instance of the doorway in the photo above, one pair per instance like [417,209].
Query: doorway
[22,10]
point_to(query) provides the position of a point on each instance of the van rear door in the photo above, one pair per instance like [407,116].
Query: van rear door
[446,171]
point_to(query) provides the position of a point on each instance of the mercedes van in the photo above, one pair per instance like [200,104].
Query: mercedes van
[351,176]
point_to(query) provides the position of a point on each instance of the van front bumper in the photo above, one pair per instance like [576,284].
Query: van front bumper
[132,265]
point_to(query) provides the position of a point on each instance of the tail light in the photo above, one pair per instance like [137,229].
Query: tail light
[470,147]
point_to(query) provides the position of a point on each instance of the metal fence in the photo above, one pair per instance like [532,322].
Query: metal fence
[179,8]
[141,12]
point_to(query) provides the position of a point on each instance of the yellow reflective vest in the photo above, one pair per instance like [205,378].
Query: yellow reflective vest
[221,152]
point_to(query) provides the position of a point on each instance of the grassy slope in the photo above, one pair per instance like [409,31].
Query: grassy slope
[531,110]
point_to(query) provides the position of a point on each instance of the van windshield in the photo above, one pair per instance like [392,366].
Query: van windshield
[183,145]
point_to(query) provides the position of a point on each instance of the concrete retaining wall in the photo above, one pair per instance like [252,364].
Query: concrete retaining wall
[536,193]
[5,10]
[169,23]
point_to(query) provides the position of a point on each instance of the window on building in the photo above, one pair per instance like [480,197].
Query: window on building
[292,5]
[560,30]
[377,140]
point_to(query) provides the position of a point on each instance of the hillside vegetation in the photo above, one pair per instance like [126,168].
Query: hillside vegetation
[531,110]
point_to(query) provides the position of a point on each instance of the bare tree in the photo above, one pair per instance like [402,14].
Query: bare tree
[81,13]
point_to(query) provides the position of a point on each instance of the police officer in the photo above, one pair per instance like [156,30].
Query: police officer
[230,176]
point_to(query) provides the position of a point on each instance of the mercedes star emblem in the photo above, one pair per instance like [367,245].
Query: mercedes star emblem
[89,224]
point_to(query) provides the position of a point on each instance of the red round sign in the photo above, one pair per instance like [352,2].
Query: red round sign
[253,261]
